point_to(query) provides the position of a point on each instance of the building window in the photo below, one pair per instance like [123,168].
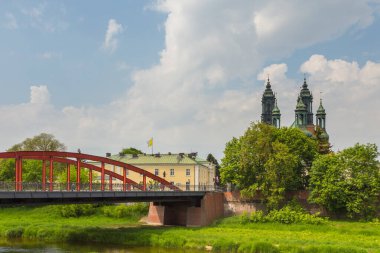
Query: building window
[187,186]
[187,172]
[171,172]
[156,172]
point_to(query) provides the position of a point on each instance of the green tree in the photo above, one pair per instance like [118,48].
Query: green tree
[347,182]
[229,171]
[280,174]
[41,142]
[131,151]
[84,175]
[210,158]
[32,169]
[269,160]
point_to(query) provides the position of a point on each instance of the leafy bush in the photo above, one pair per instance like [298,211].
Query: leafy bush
[286,215]
[122,211]
[77,210]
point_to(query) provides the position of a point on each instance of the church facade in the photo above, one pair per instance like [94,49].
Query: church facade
[304,119]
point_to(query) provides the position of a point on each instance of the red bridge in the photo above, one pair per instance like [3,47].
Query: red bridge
[81,161]
[170,204]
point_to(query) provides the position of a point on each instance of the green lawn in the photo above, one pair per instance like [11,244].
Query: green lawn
[227,235]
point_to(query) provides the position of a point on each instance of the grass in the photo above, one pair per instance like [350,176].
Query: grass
[227,235]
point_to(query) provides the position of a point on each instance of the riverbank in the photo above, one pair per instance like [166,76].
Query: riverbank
[102,225]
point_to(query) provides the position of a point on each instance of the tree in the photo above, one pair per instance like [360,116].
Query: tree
[229,171]
[32,171]
[131,151]
[41,142]
[210,158]
[269,160]
[347,182]
[324,146]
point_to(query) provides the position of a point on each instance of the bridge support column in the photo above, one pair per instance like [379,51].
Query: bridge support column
[90,179]
[51,175]
[68,176]
[110,183]
[124,179]
[78,175]
[102,178]
[20,173]
[16,174]
[144,183]
[43,175]
[208,209]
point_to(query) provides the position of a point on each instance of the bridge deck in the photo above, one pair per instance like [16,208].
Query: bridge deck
[35,197]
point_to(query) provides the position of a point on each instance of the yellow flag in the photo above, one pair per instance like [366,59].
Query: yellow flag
[150,142]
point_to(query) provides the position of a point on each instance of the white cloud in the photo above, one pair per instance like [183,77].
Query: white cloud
[203,91]
[110,40]
[10,21]
[39,95]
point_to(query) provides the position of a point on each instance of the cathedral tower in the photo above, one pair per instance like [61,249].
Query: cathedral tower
[267,104]
[321,117]
[301,114]
[307,99]
[276,116]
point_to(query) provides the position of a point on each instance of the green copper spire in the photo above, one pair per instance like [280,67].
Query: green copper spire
[267,104]
[321,110]
[276,110]
[276,115]
[307,99]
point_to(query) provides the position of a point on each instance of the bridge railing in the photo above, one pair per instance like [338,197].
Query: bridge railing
[72,186]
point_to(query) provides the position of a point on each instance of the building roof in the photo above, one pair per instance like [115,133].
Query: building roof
[143,159]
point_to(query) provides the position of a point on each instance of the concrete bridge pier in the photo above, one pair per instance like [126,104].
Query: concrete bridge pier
[189,214]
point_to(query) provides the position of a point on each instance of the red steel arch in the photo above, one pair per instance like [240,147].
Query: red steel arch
[67,158]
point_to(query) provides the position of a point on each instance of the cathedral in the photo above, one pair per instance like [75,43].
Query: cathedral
[303,113]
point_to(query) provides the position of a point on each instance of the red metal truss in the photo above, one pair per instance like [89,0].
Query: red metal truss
[77,159]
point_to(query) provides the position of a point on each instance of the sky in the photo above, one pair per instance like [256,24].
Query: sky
[105,75]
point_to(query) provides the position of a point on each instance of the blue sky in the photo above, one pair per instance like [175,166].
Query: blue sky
[103,75]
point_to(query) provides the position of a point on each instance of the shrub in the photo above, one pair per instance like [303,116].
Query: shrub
[77,210]
[123,211]
[286,215]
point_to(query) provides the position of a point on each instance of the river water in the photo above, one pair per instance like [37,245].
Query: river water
[34,247]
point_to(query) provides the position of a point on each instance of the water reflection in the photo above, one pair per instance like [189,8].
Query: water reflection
[34,247]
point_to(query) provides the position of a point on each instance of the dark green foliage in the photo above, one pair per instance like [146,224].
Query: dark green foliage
[347,182]
[286,215]
[210,158]
[268,160]
[131,151]
[32,169]
[77,210]
[41,142]
[123,211]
